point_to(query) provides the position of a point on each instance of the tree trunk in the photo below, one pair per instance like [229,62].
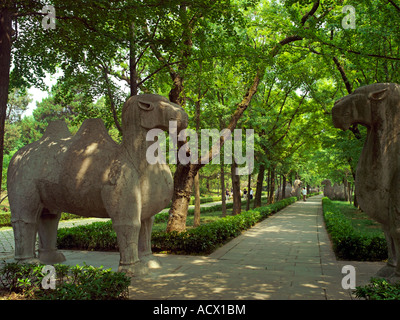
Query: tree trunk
[132,62]
[183,183]
[260,179]
[223,194]
[237,203]
[349,192]
[248,195]
[272,187]
[355,202]
[196,221]
[5,61]
[284,187]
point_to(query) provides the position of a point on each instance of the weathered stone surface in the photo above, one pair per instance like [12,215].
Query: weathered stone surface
[338,192]
[88,174]
[296,189]
[334,193]
[328,189]
[377,184]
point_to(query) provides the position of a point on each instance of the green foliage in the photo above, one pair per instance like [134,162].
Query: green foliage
[379,289]
[349,243]
[72,283]
[96,236]
[216,47]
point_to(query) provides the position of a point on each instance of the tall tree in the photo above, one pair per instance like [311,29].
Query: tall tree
[184,174]
[6,33]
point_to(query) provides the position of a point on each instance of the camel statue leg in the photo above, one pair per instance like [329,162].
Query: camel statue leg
[47,228]
[24,222]
[128,238]
[124,211]
[396,276]
[391,264]
[394,228]
[25,238]
[145,254]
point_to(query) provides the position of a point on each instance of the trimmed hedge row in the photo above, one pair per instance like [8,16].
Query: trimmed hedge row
[205,199]
[348,243]
[200,240]
[72,283]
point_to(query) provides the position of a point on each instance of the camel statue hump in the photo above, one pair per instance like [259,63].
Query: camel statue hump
[56,130]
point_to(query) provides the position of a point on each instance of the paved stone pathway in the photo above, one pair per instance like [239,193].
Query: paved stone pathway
[287,256]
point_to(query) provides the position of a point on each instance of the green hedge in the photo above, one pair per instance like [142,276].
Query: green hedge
[95,236]
[72,283]
[5,219]
[203,239]
[348,243]
[379,289]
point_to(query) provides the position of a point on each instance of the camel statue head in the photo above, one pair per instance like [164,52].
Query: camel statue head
[362,106]
[150,111]
[297,183]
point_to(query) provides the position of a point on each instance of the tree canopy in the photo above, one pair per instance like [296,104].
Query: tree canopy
[272,66]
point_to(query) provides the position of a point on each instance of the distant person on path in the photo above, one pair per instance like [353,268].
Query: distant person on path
[304,192]
[227,194]
[251,193]
[244,193]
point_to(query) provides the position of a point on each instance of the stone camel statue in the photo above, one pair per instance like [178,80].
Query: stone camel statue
[335,192]
[377,107]
[328,189]
[296,189]
[88,174]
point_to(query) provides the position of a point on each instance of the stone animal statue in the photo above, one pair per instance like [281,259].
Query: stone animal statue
[338,192]
[377,185]
[90,175]
[328,190]
[296,189]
